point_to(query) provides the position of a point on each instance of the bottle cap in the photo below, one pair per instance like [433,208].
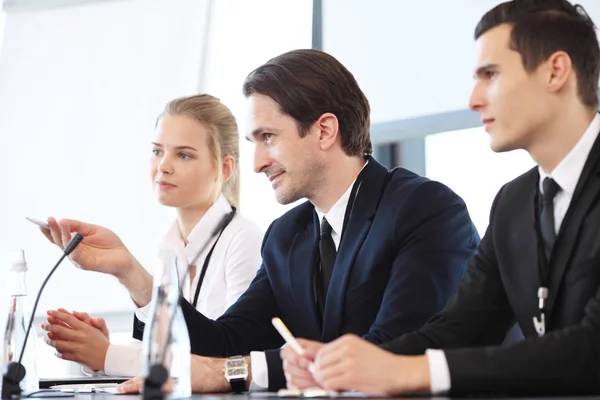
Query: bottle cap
[19,264]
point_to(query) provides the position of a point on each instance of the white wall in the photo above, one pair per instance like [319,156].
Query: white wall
[411,57]
[241,41]
[80,89]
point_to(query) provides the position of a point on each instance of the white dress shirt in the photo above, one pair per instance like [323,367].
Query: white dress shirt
[231,268]
[335,217]
[566,174]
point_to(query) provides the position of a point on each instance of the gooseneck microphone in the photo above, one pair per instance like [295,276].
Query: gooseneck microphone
[14,372]
[158,374]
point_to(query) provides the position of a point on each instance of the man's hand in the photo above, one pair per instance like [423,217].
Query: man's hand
[207,377]
[296,367]
[351,363]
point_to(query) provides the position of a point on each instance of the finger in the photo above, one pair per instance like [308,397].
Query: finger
[60,332]
[70,319]
[83,317]
[48,234]
[57,336]
[65,232]
[131,386]
[310,347]
[54,321]
[100,323]
[49,341]
[326,376]
[298,377]
[289,354]
[333,352]
[78,226]
[63,311]
[64,346]
[66,356]
[55,232]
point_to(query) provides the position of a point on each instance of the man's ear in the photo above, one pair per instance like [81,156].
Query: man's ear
[557,71]
[328,129]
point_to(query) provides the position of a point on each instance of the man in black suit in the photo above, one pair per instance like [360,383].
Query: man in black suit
[538,263]
[372,252]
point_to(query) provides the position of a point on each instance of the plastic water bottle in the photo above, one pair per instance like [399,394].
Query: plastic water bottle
[176,360]
[16,326]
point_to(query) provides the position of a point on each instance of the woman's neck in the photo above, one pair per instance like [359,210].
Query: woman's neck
[188,218]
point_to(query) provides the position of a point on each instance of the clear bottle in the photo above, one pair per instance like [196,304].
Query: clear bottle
[165,299]
[16,326]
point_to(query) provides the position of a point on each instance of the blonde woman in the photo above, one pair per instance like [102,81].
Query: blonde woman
[194,169]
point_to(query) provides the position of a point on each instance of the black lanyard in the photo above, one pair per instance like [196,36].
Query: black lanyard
[543,270]
[207,259]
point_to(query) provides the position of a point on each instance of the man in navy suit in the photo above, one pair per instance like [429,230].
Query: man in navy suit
[400,242]
[372,252]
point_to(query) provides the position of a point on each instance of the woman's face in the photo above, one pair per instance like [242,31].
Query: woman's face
[182,168]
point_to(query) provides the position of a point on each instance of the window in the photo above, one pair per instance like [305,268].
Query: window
[464,161]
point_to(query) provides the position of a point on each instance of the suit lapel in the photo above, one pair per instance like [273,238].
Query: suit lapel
[585,195]
[523,276]
[302,259]
[372,180]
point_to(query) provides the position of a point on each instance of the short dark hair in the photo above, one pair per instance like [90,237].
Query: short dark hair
[543,27]
[308,83]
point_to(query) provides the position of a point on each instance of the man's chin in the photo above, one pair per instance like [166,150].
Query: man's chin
[502,146]
[284,197]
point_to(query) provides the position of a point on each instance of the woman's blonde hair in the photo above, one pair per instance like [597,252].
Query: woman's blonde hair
[223,135]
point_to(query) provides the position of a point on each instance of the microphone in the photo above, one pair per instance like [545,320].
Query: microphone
[14,372]
[158,374]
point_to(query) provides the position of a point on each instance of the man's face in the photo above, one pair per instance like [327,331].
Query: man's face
[512,102]
[290,162]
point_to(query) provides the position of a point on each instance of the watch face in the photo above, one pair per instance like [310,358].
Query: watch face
[236,363]
[236,371]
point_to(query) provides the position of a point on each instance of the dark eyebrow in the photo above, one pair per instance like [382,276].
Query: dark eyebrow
[176,147]
[258,131]
[480,71]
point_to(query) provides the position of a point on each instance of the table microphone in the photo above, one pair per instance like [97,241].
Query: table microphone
[157,373]
[14,372]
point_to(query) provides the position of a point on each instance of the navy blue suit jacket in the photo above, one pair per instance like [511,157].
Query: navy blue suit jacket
[406,246]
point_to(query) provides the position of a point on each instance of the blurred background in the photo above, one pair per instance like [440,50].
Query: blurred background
[82,82]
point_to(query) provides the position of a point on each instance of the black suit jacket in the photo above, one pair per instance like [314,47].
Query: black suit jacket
[501,288]
[405,248]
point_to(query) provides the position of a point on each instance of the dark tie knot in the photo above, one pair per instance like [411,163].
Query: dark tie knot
[550,188]
[325,228]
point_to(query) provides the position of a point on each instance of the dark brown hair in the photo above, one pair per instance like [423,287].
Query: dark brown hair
[308,83]
[543,27]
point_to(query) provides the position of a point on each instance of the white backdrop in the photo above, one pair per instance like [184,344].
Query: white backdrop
[80,89]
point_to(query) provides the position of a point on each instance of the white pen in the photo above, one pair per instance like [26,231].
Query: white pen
[39,223]
[290,339]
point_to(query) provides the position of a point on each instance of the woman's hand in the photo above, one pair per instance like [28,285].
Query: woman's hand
[77,337]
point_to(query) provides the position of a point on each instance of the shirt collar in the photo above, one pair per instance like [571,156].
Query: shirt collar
[336,214]
[200,233]
[568,171]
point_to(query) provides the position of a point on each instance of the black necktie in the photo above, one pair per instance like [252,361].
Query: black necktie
[328,253]
[550,189]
